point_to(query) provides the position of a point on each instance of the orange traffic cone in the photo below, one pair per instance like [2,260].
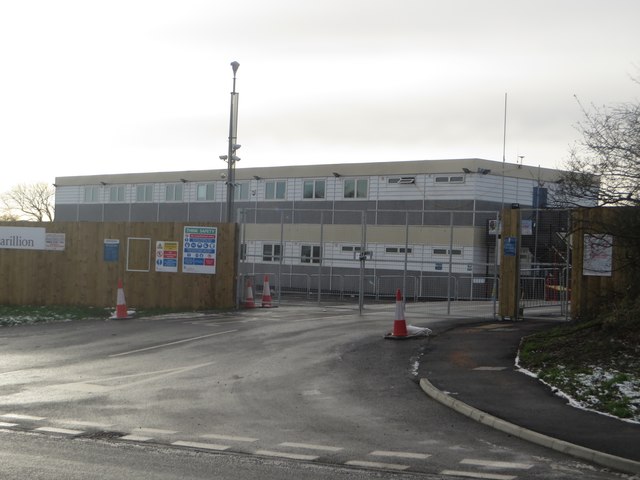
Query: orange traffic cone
[248,301]
[121,304]
[399,324]
[266,293]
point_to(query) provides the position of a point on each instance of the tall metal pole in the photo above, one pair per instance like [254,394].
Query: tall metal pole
[233,146]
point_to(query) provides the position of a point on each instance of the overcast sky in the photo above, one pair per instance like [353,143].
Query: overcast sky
[92,87]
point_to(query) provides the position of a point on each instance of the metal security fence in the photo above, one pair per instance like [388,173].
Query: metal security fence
[445,259]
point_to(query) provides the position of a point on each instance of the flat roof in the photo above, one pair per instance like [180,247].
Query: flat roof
[411,167]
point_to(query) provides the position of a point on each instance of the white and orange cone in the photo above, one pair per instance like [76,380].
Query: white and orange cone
[266,293]
[121,304]
[399,324]
[248,301]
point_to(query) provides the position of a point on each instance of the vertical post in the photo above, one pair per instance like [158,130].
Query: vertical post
[406,248]
[449,276]
[363,246]
[233,137]
[281,256]
[321,255]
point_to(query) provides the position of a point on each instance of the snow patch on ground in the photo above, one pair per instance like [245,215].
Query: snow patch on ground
[630,389]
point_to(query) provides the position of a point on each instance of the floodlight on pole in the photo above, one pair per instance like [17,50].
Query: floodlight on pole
[231,158]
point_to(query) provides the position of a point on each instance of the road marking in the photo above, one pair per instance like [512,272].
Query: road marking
[207,446]
[65,431]
[230,438]
[8,425]
[384,453]
[385,466]
[17,416]
[485,476]
[156,431]
[489,463]
[292,456]
[80,423]
[311,446]
[490,369]
[170,343]
[90,387]
[136,438]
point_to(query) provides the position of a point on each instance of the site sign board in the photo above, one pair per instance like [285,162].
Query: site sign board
[111,250]
[22,238]
[166,256]
[199,250]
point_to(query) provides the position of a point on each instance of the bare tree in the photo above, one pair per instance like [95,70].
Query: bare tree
[605,166]
[30,202]
[605,163]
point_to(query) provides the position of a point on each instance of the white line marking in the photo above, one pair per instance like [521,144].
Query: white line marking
[485,476]
[66,431]
[230,438]
[156,431]
[489,463]
[311,446]
[8,425]
[385,466]
[17,416]
[145,378]
[384,453]
[207,446]
[80,423]
[170,343]
[293,456]
[136,438]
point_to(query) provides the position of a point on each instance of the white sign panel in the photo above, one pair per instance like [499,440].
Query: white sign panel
[22,238]
[166,256]
[199,250]
[55,241]
[598,255]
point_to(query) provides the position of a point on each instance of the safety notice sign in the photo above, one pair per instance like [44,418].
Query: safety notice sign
[199,250]
[166,256]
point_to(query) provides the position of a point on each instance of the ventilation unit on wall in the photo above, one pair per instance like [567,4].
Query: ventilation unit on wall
[403,180]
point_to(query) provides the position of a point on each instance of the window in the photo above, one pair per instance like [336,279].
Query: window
[275,190]
[144,193]
[445,251]
[310,254]
[356,188]
[173,192]
[398,250]
[313,189]
[91,194]
[204,192]
[271,253]
[450,179]
[241,191]
[116,193]
[350,248]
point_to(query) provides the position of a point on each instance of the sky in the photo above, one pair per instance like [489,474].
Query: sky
[118,86]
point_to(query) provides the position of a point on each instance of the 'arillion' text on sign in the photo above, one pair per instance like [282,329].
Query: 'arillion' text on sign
[16,241]
[23,238]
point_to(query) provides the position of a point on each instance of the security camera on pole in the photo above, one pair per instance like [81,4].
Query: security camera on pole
[231,157]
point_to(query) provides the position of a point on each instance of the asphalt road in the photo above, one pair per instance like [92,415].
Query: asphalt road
[299,384]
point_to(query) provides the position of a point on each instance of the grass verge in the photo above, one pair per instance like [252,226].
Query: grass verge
[596,365]
[28,314]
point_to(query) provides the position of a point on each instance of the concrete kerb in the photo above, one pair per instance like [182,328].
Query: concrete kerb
[604,459]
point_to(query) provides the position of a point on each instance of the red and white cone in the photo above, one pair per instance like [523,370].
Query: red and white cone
[399,324]
[121,304]
[248,301]
[266,293]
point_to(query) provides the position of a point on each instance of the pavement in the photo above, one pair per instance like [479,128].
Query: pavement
[471,368]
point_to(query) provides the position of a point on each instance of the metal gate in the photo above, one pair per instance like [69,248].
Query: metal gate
[443,261]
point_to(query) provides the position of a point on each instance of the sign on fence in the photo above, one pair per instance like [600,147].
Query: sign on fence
[199,250]
[22,238]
